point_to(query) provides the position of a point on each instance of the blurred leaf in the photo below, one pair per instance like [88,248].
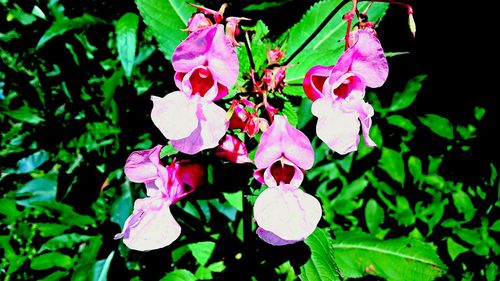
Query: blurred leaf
[304,113]
[402,100]
[202,251]
[126,41]
[51,229]
[326,48]
[404,214]
[166,18]
[466,132]
[454,249]
[479,113]
[464,205]
[217,267]
[63,241]
[122,206]
[265,5]
[55,276]
[101,268]
[496,226]
[224,208]
[291,113]
[9,210]
[359,254]
[21,16]
[235,199]
[346,201]
[49,260]
[39,190]
[203,273]
[85,264]
[374,216]
[62,26]
[403,123]
[26,114]
[376,136]
[491,272]
[415,168]
[179,275]
[30,163]
[392,162]
[168,150]
[321,266]
[439,125]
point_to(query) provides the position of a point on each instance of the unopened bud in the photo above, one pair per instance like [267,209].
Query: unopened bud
[412,25]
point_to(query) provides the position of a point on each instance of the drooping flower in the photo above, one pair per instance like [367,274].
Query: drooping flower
[206,66]
[338,93]
[151,225]
[285,214]
[232,149]
[283,154]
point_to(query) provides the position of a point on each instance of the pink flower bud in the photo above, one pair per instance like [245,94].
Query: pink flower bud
[274,55]
[233,150]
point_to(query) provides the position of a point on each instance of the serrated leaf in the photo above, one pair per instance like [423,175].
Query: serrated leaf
[439,125]
[402,100]
[126,41]
[166,18]
[359,254]
[49,260]
[202,251]
[179,275]
[62,26]
[321,266]
[392,163]
[291,113]
[327,46]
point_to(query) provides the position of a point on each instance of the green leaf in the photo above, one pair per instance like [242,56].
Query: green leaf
[202,251]
[496,226]
[321,266]
[415,168]
[36,191]
[479,113]
[179,275]
[439,125]
[392,162]
[404,214]
[87,260]
[123,205]
[403,123]
[359,254]
[126,41]
[62,26]
[55,276]
[454,249]
[235,199]
[26,114]
[217,266]
[166,18]
[9,210]
[464,205]
[374,216]
[402,100]
[265,5]
[327,46]
[63,241]
[291,113]
[101,268]
[30,163]
[304,112]
[49,260]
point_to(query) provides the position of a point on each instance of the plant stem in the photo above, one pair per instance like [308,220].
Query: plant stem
[249,51]
[317,31]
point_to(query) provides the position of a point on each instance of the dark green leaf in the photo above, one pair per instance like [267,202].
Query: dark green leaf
[126,41]
[62,26]
[359,254]
[49,260]
[85,264]
[26,114]
[202,251]
[63,241]
[392,162]
[36,191]
[166,18]
[402,100]
[265,5]
[179,275]
[9,210]
[304,112]
[122,207]
[321,266]
[439,125]
[32,162]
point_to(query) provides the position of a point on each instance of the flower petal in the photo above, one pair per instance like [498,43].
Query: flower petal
[314,80]
[369,60]
[174,115]
[281,139]
[142,165]
[233,150]
[150,227]
[336,126]
[287,212]
[212,125]
[273,239]
[222,59]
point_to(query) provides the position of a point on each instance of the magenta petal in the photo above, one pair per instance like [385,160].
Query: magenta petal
[314,81]
[222,59]
[337,127]
[150,227]
[365,111]
[233,150]
[273,239]
[174,115]
[281,139]
[369,60]
[142,165]
[212,125]
[287,212]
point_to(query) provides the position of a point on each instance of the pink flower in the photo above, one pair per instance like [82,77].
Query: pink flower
[151,225]
[283,154]
[206,66]
[286,215]
[233,150]
[233,29]
[198,21]
[338,93]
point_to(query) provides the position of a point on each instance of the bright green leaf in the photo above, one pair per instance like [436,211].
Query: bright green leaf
[265,5]
[291,113]
[62,26]
[63,241]
[415,167]
[202,251]
[439,125]
[392,163]
[321,266]
[454,248]
[402,100]
[479,113]
[403,123]
[235,199]
[26,114]
[179,275]
[49,260]
[374,216]
[217,267]
[464,205]
[126,41]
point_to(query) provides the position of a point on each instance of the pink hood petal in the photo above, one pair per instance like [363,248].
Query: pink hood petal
[212,125]
[336,126]
[142,165]
[281,139]
[150,227]
[209,47]
[369,60]
[287,212]
[314,80]
[174,115]
[273,239]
